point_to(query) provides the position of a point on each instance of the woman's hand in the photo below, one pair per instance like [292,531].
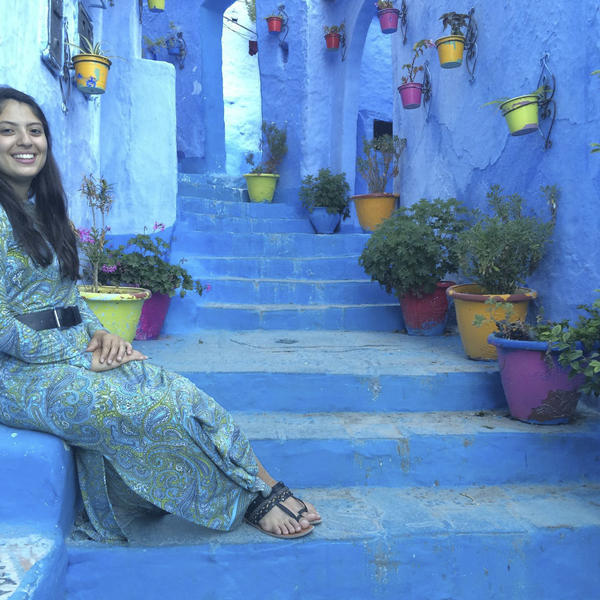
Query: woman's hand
[107,348]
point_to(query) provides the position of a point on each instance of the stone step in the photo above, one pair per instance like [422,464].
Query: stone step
[193,205]
[188,244]
[466,543]
[307,267]
[243,290]
[215,186]
[227,224]
[184,316]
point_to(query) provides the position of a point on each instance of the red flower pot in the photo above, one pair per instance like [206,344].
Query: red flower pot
[332,41]
[427,315]
[410,94]
[388,19]
[274,24]
[153,316]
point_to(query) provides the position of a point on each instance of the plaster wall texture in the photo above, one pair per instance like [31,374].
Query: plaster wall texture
[464,147]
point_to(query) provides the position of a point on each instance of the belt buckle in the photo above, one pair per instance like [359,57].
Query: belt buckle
[58,325]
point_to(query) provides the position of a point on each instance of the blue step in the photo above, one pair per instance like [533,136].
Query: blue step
[222,223]
[190,205]
[216,187]
[377,543]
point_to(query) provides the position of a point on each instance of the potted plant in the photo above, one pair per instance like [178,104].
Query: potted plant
[388,16]
[544,367]
[274,21]
[143,262]
[262,180]
[118,308]
[451,47]
[497,253]
[410,253]
[91,67]
[521,113]
[325,197]
[152,46]
[156,6]
[410,91]
[381,161]
[333,36]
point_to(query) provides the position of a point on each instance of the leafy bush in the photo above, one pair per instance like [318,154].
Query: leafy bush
[326,190]
[381,161]
[414,248]
[273,145]
[500,250]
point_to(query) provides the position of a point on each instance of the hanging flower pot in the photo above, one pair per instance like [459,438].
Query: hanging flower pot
[252,47]
[153,316]
[410,94]
[521,114]
[388,19]
[156,5]
[537,389]
[450,50]
[274,24]
[428,314]
[91,73]
[332,41]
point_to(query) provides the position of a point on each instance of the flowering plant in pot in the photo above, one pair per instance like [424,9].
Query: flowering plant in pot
[410,253]
[117,308]
[262,179]
[451,47]
[410,91]
[497,253]
[388,16]
[333,36]
[380,163]
[91,67]
[143,262]
[325,197]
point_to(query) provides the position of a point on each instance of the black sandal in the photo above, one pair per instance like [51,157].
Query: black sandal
[260,506]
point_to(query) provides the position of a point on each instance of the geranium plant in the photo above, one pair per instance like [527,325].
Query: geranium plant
[326,190]
[411,68]
[335,29]
[383,4]
[455,21]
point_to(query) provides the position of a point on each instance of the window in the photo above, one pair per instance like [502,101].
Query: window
[53,53]
[382,128]
[84,25]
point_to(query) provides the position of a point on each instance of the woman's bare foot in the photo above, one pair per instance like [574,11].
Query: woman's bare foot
[278,522]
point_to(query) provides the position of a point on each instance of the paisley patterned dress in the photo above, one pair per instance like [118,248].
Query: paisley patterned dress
[140,434]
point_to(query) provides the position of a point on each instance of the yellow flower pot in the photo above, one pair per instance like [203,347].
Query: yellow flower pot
[521,114]
[261,186]
[450,50]
[156,5]
[91,72]
[117,308]
[469,302]
[372,209]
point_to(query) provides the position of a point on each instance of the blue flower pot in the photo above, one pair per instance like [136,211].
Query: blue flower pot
[324,222]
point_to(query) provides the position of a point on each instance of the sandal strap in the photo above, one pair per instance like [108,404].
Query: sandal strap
[260,506]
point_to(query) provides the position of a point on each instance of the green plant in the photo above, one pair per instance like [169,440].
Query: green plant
[337,29]
[273,146]
[279,14]
[381,161]
[251,9]
[156,43]
[142,262]
[501,249]
[87,47]
[414,248]
[383,4]
[326,190]
[456,21]
[411,68]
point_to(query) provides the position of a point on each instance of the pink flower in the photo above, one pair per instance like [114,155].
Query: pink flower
[85,236]
[207,287]
[158,226]
[108,268]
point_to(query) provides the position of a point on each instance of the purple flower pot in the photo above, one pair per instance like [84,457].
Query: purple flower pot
[410,94]
[388,19]
[537,389]
[153,316]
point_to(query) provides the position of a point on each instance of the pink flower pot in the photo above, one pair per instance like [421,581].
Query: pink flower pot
[388,19]
[410,94]
[153,316]
[332,41]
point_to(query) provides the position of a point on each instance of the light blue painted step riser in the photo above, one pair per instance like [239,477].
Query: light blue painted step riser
[345,267]
[263,244]
[217,223]
[366,318]
[433,460]
[256,210]
[213,192]
[323,392]
[287,292]
[448,566]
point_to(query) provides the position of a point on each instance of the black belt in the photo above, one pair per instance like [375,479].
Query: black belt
[53,318]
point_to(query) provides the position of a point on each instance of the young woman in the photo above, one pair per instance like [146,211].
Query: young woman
[141,436]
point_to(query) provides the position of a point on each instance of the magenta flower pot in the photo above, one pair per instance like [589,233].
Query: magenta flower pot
[410,94]
[537,389]
[153,316]
[388,19]
[427,315]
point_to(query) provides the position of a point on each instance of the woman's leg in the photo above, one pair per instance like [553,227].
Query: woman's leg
[276,521]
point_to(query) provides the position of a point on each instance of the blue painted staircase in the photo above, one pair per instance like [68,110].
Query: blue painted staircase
[428,490]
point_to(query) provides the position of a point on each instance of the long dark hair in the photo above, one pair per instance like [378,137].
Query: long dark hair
[50,206]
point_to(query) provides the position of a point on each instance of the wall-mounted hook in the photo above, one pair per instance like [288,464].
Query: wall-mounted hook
[177,47]
[426,88]
[64,77]
[471,45]
[547,104]
[403,20]
[283,45]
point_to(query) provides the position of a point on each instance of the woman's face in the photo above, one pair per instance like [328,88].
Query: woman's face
[23,145]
